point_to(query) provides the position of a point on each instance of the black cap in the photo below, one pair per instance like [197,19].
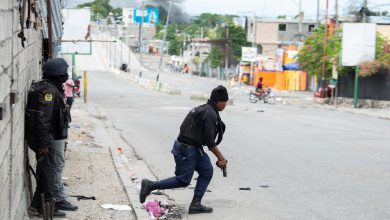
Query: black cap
[219,94]
[55,68]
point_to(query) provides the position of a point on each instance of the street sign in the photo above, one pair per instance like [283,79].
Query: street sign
[127,15]
[249,54]
[359,41]
[151,16]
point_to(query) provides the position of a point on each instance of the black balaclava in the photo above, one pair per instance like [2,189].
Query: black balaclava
[56,71]
[219,94]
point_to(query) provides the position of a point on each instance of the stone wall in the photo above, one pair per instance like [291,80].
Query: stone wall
[18,67]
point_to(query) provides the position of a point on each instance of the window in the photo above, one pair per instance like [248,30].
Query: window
[311,27]
[282,27]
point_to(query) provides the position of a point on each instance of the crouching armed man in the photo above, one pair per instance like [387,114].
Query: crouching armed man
[200,128]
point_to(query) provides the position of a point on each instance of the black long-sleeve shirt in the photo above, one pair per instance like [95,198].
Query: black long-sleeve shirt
[207,120]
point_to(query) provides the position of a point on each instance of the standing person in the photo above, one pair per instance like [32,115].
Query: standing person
[201,127]
[47,118]
[186,69]
[68,87]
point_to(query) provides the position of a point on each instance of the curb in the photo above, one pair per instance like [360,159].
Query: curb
[147,83]
[130,188]
[127,168]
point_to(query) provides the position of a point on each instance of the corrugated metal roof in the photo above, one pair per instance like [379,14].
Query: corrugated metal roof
[57,20]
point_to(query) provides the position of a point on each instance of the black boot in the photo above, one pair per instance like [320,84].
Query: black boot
[196,207]
[147,187]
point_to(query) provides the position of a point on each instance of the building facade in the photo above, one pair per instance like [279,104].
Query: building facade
[267,35]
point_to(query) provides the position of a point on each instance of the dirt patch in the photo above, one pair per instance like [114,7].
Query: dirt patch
[89,171]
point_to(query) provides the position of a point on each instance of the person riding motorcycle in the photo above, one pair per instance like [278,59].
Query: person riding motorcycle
[259,86]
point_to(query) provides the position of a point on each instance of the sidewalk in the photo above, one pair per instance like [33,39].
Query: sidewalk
[100,163]
[88,166]
[306,98]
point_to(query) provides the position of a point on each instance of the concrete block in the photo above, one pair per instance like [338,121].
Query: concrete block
[5,83]
[5,4]
[4,204]
[4,170]
[5,129]
[5,21]
[200,96]
[5,55]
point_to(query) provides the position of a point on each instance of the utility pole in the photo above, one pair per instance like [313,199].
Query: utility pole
[184,45]
[356,87]
[300,21]
[200,51]
[141,38]
[129,54]
[365,9]
[324,46]
[318,13]
[49,28]
[254,31]
[226,51]
[164,40]
[337,13]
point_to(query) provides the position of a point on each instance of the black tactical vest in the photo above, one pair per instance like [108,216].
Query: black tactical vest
[59,127]
[191,128]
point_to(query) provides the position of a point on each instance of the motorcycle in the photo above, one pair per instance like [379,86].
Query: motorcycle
[124,67]
[265,95]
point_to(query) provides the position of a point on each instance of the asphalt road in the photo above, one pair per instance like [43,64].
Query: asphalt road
[300,162]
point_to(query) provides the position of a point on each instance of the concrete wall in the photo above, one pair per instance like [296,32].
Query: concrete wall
[384,30]
[267,34]
[18,66]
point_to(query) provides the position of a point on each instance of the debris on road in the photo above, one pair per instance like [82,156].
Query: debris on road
[162,210]
[245,188]
[154,209]
[116,207]
[158,193]
[79,197]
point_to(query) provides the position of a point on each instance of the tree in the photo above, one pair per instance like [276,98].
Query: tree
[310,57]
[215,57]
[281,17]
[208,20]
[101,8]
[237,40]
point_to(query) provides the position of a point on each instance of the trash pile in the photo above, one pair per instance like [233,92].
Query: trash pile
[162,210]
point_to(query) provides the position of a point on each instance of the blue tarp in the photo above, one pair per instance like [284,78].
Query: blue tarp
[291,66]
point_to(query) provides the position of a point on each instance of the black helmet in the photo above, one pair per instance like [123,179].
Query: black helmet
[55,68]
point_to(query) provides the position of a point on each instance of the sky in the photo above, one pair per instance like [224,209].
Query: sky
[273,8]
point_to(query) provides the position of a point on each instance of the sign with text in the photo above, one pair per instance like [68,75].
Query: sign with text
[359,41]
[151,16]
[127,15]
[249,54]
